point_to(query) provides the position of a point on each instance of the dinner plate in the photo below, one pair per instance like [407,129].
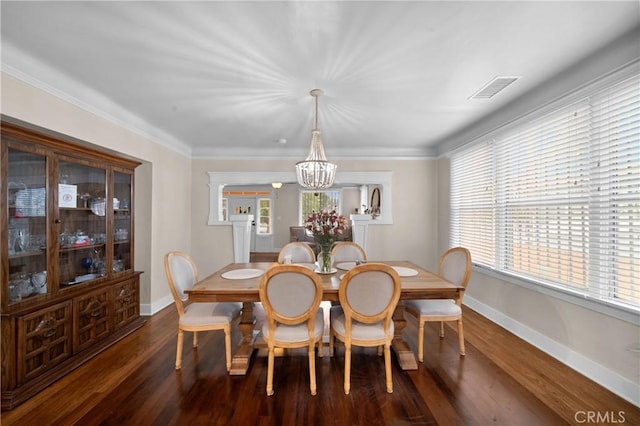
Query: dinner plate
[345,266]
[242,274]
[405,272]
[333,271]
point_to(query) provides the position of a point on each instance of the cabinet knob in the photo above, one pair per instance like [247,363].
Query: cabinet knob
[57,221]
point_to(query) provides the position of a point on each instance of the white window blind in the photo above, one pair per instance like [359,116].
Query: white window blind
[542,198]
[615,194]
[557,200]
[472,202]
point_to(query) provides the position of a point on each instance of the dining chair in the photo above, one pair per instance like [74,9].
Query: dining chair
[368,294]
[182,274]
[291,295]
[300,252]
[348,251]
[455,266]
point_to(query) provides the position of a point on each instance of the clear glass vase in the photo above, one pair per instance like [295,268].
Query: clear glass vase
[325,260]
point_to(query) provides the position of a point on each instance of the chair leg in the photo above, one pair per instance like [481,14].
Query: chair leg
[421,341]
[270,372]
[380,349]
[387,367]
[441,328]
[461,337]
[179,349]
[312,368]
[195,339]
[320,348]
[331,337]
[227,347]
[347,368]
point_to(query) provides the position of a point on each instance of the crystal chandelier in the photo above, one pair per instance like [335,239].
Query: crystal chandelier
[316,172]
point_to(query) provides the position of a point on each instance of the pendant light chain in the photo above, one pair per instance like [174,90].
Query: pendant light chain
[316,172]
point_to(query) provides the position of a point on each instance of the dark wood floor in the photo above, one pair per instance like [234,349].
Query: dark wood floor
[502,380]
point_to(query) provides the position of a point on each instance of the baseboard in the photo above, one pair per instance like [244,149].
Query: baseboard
[617,384]
[150,309]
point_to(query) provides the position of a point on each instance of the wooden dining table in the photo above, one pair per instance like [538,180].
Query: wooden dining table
[216,288]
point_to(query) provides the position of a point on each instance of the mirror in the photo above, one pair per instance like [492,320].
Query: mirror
[374,206]
[381,180]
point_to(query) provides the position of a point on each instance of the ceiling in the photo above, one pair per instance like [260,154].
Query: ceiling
[214,78]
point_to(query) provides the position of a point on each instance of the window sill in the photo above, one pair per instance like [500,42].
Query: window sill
[566,295]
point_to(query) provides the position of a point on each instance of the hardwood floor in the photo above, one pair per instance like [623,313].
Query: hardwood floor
[502,380]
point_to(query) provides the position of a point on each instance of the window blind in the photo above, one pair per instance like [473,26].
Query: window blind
[472,202]
[542,197]
[615,194]
[557,200]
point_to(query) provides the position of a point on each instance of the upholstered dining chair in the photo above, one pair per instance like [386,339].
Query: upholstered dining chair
[300,252]
[291,295]
[348,251]
[455,266]
[182,274]
[368,294]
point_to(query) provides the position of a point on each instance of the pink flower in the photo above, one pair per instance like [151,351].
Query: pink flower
[326,223]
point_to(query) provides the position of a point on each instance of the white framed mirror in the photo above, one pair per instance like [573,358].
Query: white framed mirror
[382,180]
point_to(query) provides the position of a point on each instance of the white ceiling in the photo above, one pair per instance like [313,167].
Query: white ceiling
[232,78]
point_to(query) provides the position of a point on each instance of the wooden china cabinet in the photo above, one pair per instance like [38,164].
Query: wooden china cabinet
[68,288]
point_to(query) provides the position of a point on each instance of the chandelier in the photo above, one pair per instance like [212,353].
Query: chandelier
[316,172]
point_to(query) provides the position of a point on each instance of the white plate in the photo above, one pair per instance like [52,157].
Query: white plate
[405,272]
[242,274]
[333,271]
[345,266]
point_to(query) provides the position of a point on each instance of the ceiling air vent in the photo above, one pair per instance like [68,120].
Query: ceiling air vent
[492,88]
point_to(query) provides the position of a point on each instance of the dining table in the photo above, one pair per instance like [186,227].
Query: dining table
[239,282]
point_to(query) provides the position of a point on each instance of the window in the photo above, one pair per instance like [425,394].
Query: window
[264,218]
[317,201]
[557,200]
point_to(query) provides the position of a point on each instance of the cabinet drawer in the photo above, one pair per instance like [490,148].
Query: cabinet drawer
[92,319]
[126,303]
[44,340]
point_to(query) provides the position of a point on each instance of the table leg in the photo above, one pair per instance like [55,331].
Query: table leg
[242,356]
[406,357]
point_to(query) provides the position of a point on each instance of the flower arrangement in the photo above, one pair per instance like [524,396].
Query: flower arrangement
[326,227]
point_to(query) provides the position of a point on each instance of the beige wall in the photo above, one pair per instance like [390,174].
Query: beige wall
[172,199]
[163,182]
[593,343]
[414,211]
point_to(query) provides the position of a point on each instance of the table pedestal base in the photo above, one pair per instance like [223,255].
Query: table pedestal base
[242,356]
[406,357]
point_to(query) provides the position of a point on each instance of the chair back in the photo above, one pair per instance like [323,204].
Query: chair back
[369,294]
[290,294]
[300,252]
[182,274]
[455,266]
[348,251]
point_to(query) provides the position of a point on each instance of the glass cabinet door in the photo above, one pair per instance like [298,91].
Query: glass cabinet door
[122,229]
[82,226]
[27,220]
